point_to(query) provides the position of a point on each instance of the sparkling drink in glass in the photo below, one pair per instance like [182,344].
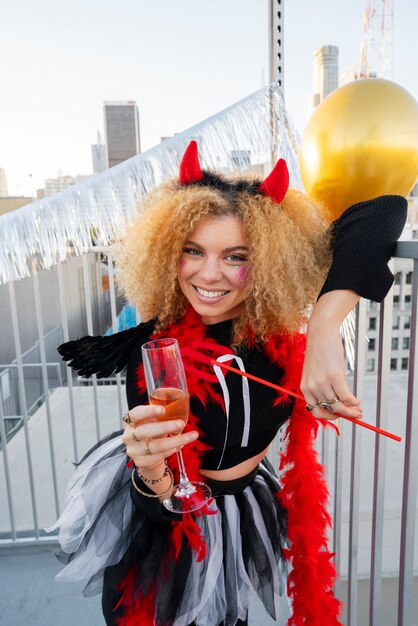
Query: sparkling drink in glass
[167,386]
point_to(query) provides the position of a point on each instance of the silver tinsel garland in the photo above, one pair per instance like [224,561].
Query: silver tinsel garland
[96,210]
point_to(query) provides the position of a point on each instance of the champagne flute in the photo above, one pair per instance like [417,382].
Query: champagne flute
[167,386]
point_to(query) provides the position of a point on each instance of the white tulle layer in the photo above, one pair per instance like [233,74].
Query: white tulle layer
[94,525]
[95,531]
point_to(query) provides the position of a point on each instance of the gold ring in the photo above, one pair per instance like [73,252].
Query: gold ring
[333,400]
[147,450]
[127,418]
[134,436]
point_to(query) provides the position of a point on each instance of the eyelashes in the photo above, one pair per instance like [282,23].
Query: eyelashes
[237,259]
[191,251]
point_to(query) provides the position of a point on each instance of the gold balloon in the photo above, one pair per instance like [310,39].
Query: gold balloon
[360,143]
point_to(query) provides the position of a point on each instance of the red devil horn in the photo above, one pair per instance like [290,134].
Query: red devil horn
[277,182]
[190,170]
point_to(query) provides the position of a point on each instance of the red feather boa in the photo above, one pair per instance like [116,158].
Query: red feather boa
[304,492]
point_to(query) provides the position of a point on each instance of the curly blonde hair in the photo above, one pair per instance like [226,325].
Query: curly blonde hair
[289,251]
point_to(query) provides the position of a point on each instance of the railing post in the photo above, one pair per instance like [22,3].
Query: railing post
[6,468]
[87,294]
[355,470]
[385,330]
[64,318]
[410,480]
[337,519]
[23,406]
[114,321]
[45,384]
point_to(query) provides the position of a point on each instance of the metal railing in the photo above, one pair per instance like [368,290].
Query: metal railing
[87,286]
[33,386]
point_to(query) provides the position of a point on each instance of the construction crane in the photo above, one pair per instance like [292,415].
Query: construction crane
[376,55]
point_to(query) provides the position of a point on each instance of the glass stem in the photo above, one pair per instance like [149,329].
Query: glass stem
[184,480]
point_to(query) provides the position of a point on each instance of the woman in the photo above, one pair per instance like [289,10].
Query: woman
[228,266]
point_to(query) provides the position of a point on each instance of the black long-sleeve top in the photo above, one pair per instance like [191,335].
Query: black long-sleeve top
[363,241]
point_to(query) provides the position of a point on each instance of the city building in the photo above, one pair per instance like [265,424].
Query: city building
[122,131]
[412,219]
[55,185]
[3,183]
[241,159]
[401,321]
[325,78]
[98,154]
[240,163]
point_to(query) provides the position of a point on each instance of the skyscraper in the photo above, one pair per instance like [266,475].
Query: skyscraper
[98,155]
[325,77]
[122,131]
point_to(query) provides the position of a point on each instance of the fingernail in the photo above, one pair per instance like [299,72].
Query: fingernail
[179,424]
[159,410]
[192,436]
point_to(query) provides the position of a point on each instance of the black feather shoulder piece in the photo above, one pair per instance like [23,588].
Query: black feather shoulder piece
[104,355]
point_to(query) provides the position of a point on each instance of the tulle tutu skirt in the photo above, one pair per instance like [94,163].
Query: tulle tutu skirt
[104,539]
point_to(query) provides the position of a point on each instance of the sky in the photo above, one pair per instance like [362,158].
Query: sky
[181,60]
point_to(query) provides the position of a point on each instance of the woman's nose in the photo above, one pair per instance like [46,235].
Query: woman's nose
[210,270]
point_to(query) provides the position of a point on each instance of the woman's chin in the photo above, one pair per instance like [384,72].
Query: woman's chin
[211,314]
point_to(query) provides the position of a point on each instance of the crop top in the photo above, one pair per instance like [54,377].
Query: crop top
[218,431]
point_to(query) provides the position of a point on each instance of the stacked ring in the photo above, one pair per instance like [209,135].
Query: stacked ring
[134,436]
[127,418]
[333,400]
[327,404]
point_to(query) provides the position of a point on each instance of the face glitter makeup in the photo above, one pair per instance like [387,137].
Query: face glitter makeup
[242,273]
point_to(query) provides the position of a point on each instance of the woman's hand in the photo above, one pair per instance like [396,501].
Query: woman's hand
[323,376]
[147,441]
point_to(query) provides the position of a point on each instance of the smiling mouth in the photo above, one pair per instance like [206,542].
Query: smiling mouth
[210,294]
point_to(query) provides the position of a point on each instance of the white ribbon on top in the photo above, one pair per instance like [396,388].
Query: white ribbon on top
[245,396]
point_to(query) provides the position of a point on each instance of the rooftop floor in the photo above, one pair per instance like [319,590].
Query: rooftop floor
[29,596]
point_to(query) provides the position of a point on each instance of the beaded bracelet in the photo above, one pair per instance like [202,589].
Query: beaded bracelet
[152,481]
[153,495]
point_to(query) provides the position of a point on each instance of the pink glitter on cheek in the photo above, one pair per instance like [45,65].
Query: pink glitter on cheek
[242,273]
[182,262]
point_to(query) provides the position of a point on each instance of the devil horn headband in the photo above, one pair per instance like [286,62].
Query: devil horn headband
[274,186]
[190,170]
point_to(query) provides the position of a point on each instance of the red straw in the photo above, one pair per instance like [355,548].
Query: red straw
[297,395]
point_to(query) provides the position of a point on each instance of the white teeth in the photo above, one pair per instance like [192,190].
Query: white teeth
[210,294]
